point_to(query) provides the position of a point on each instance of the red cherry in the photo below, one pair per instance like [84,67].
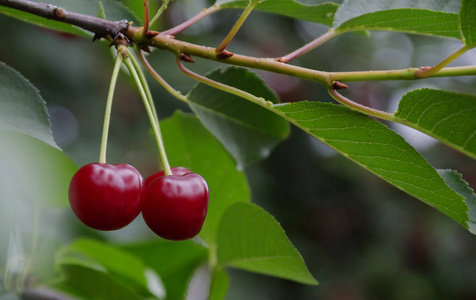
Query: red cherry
[175,206]
[175,171]
[106,197]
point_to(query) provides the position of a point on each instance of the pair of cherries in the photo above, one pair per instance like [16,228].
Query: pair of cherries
[109,197]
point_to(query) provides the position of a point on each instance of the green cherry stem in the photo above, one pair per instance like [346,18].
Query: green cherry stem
[163,7]
[107,115]
[144,84]
[237,26]
[153,121]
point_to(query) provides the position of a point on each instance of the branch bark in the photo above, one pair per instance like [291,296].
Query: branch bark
[96,25]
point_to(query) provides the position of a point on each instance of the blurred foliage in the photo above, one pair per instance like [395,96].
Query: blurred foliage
[361,238]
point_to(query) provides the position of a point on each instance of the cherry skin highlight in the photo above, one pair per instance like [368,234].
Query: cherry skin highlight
[175,171]
[106,197]
[175,206]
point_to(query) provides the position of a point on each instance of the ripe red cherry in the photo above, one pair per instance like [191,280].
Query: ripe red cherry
[175,171]
[175,206]
[106,197]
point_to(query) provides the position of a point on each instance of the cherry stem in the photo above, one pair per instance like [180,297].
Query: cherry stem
[145,85]
[361,108]
[107,115]
[148,103]
[308,47]
[168,87]
[236,27]
[146,17]
[181,27]
[163,7]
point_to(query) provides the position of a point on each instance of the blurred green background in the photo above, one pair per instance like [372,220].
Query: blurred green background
[360,237]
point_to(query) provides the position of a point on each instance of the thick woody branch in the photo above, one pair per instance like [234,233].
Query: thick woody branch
[96,25]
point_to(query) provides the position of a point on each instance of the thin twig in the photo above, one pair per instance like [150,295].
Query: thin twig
[308,47]
[181,27]
[146,17]
[425,72]
[221,86]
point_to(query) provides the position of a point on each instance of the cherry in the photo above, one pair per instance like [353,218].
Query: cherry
[106,197]
[175,171]
[175,206]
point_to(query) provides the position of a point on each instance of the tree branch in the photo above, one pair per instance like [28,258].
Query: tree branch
[112,28]
[96,25]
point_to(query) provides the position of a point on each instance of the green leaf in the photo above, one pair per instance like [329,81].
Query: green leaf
[92,284]
[247,131]
[105,260]
[378,149]
[321,13]
[42,173]
[34,180]
[114,10]
[21,107]
[67,288]
[101,12]
[220,284]
[175,262]
[468,21]
[446,116]
[456,182]
[350,9]
[189,144]
[137,8]
[438,18]
[249,238]
[418,21]
[109,258]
